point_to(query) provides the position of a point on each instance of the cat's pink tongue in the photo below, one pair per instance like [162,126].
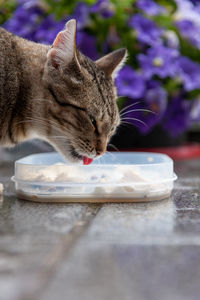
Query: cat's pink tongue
[87,160]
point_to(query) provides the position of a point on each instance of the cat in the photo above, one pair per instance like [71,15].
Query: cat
[57,94]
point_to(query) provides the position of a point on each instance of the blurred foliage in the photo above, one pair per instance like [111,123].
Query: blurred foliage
[6,9]
[105,25]
[63,7]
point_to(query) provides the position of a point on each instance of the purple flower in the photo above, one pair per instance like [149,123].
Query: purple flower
[171,39]
[113,38]
[156,102]
[177,117]
[81,14]
[130,83]
[189,72]
[195,111]
[195,1]
[190,30]
[146,114]
[25,19]
[160,60]
[104,7]
[87,44]
[150,7]
[197,7]
[186,10]
[147,31]
[48,29]
[156,99]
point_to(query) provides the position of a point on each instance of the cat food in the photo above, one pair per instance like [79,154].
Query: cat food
[116,177]
[1,188]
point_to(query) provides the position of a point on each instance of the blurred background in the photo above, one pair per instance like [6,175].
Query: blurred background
[160,84]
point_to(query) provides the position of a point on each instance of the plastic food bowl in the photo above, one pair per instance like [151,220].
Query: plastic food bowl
[116,177]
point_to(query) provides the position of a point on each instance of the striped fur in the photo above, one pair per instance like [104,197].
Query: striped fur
[71,104]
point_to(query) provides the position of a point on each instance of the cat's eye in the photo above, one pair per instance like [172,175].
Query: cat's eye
[92,119]
[94,123]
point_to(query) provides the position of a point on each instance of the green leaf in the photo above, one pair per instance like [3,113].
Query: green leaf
[6,9]
[90,2]
[187,49]
[193,94]
[62,8]
[172,85]
[164,21]
[121,4]
[169,4]
[121,101]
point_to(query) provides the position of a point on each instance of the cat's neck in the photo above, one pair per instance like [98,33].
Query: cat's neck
[32,59]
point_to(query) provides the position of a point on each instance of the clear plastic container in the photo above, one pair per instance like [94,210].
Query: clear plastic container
[116,177]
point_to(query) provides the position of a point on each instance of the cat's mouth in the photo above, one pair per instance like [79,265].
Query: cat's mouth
[86,160]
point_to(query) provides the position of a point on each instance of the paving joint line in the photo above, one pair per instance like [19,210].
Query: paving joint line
[38,282]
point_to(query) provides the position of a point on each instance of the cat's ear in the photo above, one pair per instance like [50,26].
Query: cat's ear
[63,50]
[112,62]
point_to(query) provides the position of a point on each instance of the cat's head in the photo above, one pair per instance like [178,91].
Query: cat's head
[82,109]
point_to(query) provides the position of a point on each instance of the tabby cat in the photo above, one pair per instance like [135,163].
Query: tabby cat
[57,94]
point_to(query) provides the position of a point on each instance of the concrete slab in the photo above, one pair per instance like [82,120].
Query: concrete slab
[140,251]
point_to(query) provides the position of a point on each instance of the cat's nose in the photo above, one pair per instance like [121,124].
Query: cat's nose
[99,152]
[101,147]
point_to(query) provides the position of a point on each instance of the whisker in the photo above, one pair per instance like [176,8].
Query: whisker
[133,104]
[43,122]
[110,153]
[97,161]
[53,123]
[100,160]
[134,119]
[138,109]
[103,160]
[126,124]
[114,147]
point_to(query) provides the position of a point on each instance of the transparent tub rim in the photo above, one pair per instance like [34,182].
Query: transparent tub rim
[169,161]
[76,184]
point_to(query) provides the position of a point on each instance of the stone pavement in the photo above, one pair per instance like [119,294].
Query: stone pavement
[144,251]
